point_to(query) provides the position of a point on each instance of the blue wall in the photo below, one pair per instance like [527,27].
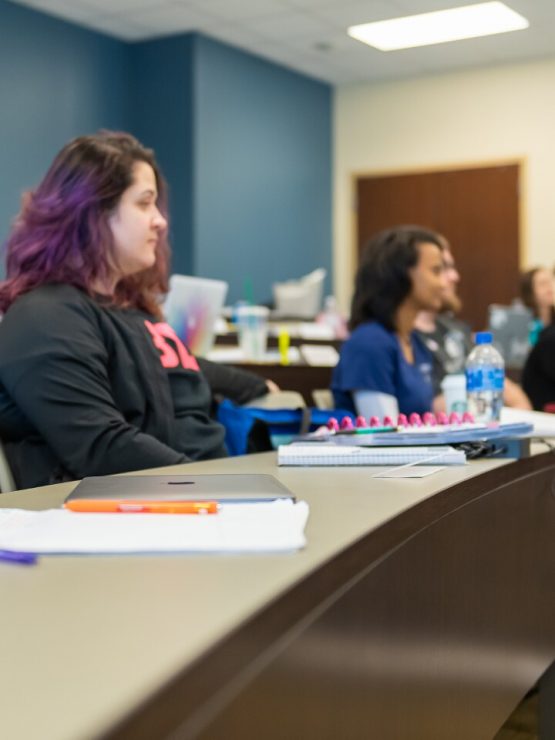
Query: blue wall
[57,81]
[262,170]
[162,118]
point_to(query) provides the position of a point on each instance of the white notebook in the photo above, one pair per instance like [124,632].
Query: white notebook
[320,453]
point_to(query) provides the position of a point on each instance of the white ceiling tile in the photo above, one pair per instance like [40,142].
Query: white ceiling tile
[414,7]
[314,5]
[328,46]
[534,11]
[358,11]
[288,25]
[239,9]
[117,7]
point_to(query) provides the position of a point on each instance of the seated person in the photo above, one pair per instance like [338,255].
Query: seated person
[536,290]
[92,380]
[450,340]
[538,375]
[384,367]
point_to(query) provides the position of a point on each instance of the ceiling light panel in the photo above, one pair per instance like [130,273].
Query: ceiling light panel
[439,27]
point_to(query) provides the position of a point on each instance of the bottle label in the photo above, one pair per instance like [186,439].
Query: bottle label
[485,379]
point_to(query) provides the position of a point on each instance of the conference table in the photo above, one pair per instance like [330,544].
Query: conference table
[420,609]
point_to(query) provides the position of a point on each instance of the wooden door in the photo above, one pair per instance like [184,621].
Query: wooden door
[476,209]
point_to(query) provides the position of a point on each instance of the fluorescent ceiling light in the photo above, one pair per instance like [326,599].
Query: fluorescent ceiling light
[439,27]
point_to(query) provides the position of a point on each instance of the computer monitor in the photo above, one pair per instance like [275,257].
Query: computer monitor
[191,308]
[510,326]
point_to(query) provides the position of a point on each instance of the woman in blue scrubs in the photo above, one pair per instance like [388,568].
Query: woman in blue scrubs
[384,368]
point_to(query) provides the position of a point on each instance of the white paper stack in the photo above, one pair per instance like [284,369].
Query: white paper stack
[544,424]
[320,355]
[275,526]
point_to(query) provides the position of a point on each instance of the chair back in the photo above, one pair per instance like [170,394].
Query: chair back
[323,398]
[6,478]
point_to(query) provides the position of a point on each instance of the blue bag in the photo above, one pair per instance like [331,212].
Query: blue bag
[251,429]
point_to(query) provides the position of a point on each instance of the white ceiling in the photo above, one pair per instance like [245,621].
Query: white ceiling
[309,35]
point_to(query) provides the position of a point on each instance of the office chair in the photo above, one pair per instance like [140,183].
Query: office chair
[279,400]
[6,478]
[323,398]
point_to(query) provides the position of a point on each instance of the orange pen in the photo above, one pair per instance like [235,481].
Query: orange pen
[142,507]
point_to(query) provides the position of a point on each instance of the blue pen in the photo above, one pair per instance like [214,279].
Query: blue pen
[23,558]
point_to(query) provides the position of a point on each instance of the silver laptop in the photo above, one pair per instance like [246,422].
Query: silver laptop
[191,308]
[228,488]
[510,326]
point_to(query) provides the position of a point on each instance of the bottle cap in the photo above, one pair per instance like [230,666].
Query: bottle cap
[484,337]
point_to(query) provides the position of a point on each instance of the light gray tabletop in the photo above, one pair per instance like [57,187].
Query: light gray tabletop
[85,639]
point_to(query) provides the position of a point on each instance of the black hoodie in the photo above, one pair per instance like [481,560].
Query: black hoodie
[90,389]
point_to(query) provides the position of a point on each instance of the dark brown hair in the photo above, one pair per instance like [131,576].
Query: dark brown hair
[383,278]
[527,292]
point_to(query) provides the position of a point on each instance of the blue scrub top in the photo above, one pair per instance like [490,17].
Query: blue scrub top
[372,359]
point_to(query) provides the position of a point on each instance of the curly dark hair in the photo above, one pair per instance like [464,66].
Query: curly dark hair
[383,281]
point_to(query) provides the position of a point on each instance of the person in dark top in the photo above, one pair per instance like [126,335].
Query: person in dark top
[538,374]
[450,340]
[384,368]
[93,381]
[536,290]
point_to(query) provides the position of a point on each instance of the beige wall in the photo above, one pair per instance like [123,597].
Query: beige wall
[479,116]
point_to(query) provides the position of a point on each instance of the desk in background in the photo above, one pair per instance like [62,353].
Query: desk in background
[420,609]
[301,378]
[298,376]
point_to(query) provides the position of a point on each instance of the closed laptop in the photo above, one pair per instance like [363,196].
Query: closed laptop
[223,487]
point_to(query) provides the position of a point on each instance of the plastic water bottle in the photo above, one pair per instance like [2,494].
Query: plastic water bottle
[485,377]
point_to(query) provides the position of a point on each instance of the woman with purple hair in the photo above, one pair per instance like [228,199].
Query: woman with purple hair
[92,380]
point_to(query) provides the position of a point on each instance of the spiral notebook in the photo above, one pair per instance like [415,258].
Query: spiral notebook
[321,453]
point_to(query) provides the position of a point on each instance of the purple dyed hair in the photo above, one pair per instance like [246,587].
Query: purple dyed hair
[62,235]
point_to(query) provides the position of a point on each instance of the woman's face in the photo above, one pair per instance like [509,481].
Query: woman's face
[136,224]
[428,279]
[542,287]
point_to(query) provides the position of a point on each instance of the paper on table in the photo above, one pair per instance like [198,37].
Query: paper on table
[409,471]
[544,424]
[320,355]
[262,527]
[236,355]
[313,330]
